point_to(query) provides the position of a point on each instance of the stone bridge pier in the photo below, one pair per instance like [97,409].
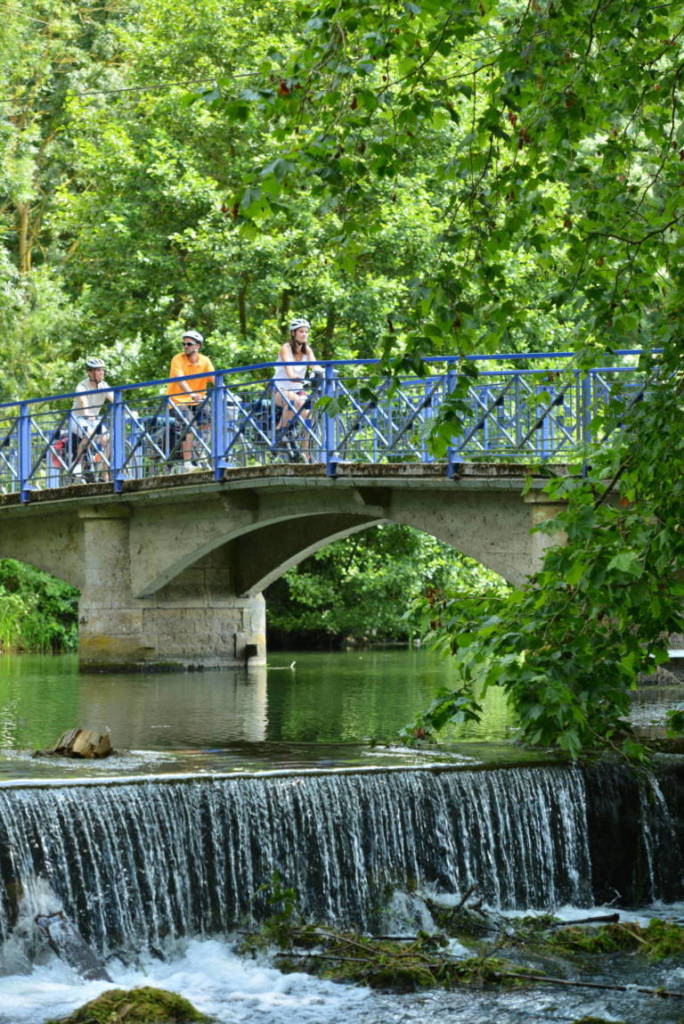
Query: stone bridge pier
[194,620]
[171,571]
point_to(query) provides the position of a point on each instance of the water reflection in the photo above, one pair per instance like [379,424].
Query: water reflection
[306,709]
[301,698]
[40,697]
[171,711]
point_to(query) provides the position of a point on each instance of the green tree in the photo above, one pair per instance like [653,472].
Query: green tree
[370,588]
[554,136]
[156,236]
[563,152]
[569,646]
[47,48]
[421,176]
[37,611]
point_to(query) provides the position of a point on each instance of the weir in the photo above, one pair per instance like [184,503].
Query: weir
[135,863]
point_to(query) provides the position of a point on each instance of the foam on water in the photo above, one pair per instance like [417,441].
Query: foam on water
[233,990]
[213,978]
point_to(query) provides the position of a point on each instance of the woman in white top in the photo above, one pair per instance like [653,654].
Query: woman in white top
[87,418]
[290,395]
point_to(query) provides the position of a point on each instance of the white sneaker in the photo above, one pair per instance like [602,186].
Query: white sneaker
[190,467]
[77,470]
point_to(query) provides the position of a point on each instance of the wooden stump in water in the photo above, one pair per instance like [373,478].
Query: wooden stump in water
[85,743]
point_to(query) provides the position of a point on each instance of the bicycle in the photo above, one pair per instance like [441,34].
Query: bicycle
[166,429]
[293,442]
[79,456]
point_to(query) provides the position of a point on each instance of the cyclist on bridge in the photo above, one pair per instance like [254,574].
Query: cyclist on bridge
[86,415]
[188,397]
[288,381]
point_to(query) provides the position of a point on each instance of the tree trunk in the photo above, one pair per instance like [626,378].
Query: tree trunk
[328,333]
[23,218]
[242,310]
[285,310]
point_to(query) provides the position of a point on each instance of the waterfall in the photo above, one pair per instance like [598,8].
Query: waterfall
[635,832]
[135,863]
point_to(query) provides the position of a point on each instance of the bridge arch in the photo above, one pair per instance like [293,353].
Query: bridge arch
[173,574]
[276,548]
[256,534]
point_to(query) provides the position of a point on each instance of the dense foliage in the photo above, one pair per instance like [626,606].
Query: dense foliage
[569,646]
[369,588]
[37,611]
[555,140]
[457,177]
[419,177]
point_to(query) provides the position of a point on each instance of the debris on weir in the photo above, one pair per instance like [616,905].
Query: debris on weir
[86,743]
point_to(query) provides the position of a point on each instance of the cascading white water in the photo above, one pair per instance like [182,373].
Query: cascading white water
[657,828]
[133,864]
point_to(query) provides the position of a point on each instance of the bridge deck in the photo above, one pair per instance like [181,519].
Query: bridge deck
[469,475]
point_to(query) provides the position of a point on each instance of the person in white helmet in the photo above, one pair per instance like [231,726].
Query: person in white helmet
[290,395]
[87,422]
[188,397]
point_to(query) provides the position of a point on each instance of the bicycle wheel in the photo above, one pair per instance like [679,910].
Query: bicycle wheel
[287,444]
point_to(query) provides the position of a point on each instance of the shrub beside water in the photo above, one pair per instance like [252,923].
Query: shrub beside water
[37,612]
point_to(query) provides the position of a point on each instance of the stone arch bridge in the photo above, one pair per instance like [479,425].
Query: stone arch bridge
[171,569]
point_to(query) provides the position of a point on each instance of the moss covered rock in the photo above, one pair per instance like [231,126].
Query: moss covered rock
[135,1006]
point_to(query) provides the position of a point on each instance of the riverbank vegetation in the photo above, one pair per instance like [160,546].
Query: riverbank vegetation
[37,612]
[418,178]
[370,588]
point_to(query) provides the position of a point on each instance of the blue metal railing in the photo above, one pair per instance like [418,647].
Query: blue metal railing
[521,412]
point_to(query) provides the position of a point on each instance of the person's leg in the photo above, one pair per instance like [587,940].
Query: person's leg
[197,423]
[80,437]
[291,403]
[105,454]
[285,411]
[187,447]
[291,433]
[75,451]
[306,443]
[204,427]
[184,414]
[96,451]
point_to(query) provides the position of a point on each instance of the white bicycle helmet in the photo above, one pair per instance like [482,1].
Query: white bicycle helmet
[93,363]
[194,336]
[298,322]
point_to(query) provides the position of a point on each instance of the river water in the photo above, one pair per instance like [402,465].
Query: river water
[304,710]
[308,712]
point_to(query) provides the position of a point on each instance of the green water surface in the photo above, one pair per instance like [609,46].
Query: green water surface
[304,709]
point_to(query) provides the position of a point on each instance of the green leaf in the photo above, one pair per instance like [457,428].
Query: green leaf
[627,562]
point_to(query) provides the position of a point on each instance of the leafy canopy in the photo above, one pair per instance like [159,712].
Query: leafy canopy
[550,134]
